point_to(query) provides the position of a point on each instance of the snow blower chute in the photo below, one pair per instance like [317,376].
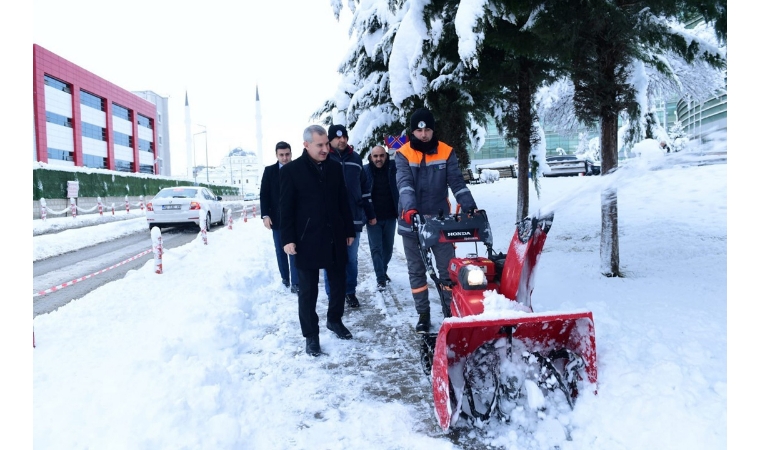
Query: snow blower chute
[490,357]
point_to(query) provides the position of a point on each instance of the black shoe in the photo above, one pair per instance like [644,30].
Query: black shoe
[339,329]
[294,289]
[387,279]
[352,301]
[312,346]
[381,286]
[286,283]
[423,325]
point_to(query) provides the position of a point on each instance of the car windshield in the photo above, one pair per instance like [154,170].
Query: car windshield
[561,158]
[178,192]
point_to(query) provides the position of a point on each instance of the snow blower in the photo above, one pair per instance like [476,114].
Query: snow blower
[493,354]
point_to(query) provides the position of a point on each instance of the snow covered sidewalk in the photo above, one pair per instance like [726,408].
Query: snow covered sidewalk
[209,354]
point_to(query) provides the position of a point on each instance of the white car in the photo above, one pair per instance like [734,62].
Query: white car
[182,205]
[251,196]
[568,165]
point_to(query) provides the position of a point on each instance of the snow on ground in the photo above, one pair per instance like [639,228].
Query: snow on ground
[209,354]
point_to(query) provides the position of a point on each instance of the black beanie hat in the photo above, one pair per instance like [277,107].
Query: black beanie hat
[336,131]
[422,118]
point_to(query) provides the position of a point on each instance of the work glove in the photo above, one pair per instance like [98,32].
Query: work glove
[408,215]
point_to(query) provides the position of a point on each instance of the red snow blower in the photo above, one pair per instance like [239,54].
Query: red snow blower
[493,354]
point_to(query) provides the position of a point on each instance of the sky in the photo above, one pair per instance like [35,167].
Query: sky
[209,354]
[216,51]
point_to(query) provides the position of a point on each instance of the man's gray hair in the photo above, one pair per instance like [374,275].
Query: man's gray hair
[309,132]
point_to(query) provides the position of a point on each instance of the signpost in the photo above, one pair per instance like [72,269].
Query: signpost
[72,192]
[72,189]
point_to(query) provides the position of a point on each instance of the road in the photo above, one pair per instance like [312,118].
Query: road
[57,270]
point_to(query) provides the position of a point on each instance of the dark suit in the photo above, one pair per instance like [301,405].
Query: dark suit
[316,216]
[270,207]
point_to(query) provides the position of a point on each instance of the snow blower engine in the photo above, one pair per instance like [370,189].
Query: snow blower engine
[493,353]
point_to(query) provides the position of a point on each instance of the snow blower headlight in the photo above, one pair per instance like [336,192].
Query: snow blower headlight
[472,277]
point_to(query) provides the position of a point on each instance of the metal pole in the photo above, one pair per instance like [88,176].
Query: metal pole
[195,167]
[205,131]
[195,170]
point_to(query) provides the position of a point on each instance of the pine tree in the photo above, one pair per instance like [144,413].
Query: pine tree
[606,45]
[678,137]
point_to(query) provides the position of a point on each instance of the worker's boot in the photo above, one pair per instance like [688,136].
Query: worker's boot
[423,325]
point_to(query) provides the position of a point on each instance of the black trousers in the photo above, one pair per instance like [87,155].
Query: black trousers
[308,290]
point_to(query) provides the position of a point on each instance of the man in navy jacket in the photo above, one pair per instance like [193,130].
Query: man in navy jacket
[270,214]
[359,200]
[317,226]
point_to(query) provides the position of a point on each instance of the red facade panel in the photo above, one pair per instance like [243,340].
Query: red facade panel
[46,62]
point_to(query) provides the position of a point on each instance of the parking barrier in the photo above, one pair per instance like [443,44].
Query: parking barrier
[244,214]
[203,227]
[158,249]
[254,211]
[229,226]
[74,209]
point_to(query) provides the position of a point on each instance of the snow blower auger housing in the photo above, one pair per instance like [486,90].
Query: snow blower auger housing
[488,362]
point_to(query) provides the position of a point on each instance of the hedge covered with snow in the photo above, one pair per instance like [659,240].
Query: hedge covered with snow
[50,182]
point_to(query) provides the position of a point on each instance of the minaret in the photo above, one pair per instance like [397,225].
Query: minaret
[188,139]
[259,137]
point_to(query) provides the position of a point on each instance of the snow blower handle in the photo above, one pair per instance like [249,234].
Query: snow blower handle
[417,221]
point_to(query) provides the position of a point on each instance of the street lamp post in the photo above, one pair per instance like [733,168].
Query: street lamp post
[205,131]
[195,166]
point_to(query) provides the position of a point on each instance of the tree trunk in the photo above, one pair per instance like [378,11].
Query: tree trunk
[451,123]
[610,246]
[524,133]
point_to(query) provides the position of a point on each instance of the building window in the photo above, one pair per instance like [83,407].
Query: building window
[159,117]
[57,84]
[144,168]
[122,139]
[91,100]
[95,162]
[144,121]
[57,118]
[145,146]
[120,111]
[160,140]
[60,155]
[124,166]
[93,131]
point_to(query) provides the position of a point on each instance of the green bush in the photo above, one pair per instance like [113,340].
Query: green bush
[51,183]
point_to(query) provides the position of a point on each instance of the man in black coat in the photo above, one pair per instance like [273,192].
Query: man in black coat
[270,214]
[317,226]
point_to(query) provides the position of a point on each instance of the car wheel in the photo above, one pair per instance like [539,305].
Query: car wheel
[224,218]
[151,226]
[208,222]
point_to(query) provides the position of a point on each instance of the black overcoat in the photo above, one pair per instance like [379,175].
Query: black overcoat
[314,212]
[270,194]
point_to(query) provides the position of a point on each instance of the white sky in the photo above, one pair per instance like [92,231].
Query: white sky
[155,361]
[217,51]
